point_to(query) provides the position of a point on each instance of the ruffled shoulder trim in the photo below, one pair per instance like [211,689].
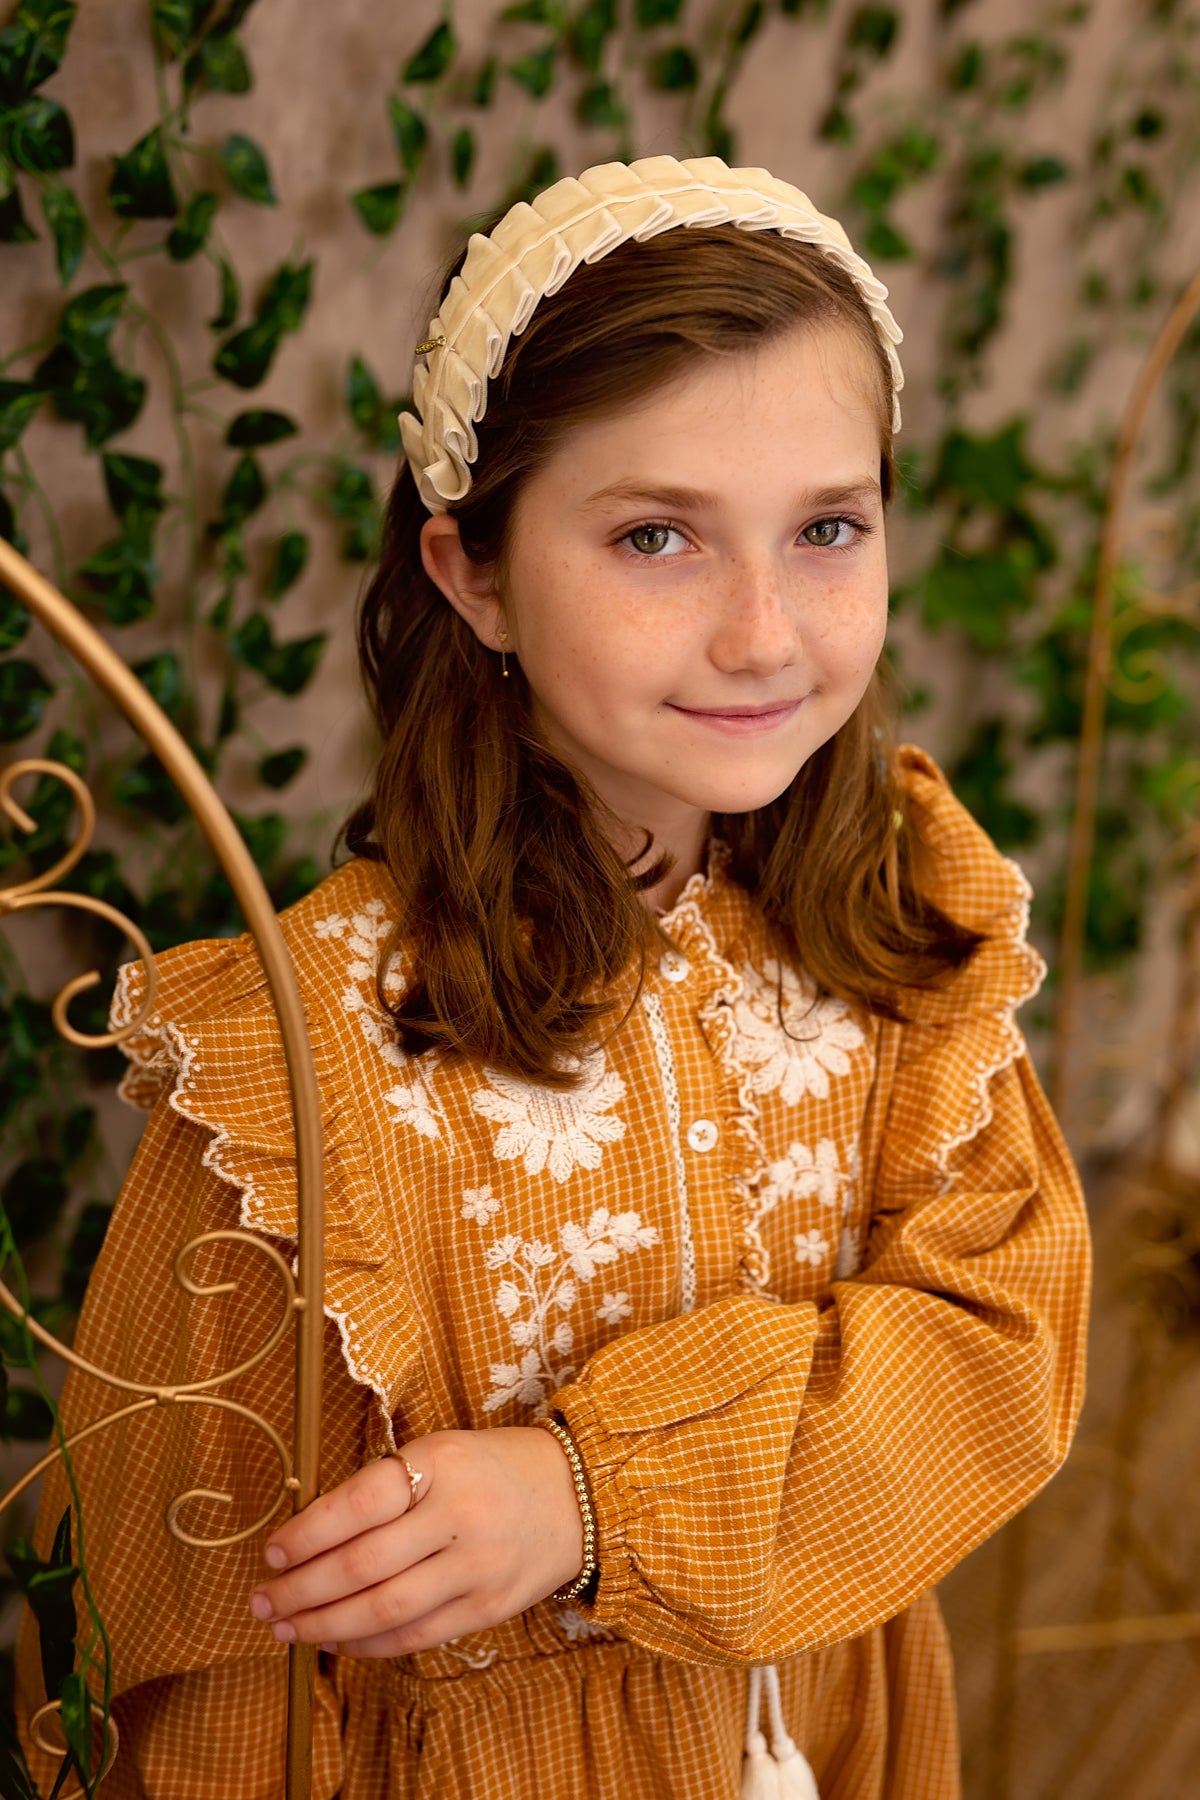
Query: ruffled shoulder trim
[212,1047]
[960,1037]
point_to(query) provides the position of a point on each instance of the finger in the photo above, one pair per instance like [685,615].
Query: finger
[372,1496]
[360,1563]
[386,1607]
[441,1626]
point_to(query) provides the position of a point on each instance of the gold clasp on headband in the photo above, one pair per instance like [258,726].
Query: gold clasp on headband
[436,343]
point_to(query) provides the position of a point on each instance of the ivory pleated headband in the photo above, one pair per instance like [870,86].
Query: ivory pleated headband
[537,245]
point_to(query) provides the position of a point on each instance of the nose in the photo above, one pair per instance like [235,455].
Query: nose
[757,629]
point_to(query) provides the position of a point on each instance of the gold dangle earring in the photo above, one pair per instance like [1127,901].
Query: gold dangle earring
[503,655]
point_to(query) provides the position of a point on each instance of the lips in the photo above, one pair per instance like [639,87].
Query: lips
[740,712]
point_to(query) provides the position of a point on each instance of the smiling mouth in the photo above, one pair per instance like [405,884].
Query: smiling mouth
[740,712]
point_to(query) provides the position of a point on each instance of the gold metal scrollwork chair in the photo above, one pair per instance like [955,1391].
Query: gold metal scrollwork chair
[303,1291]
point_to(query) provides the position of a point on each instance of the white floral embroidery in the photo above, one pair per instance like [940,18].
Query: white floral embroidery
[541,1281]
[364,933]
[818,1034]
[811,1247]
[479,1204]
[579,1629]
[613,1308]
[551,1128]
[802,1172]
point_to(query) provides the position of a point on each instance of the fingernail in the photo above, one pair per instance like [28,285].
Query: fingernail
[284,1631]
[275,1556]
[261,1607]
[332,1648]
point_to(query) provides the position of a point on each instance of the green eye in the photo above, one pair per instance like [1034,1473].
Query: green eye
[650,539]
[824,533]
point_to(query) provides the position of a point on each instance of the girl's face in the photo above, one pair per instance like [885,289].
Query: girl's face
[696,588]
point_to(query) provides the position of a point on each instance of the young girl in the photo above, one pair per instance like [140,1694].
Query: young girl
[706,1275]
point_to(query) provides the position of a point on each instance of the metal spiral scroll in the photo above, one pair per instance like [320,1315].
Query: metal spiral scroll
[302,1294]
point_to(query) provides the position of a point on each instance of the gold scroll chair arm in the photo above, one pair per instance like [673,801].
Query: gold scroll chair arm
[305,1295]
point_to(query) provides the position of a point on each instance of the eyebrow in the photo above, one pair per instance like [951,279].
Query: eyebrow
[685,499]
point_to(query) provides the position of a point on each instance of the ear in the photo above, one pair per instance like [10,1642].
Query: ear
[469,586]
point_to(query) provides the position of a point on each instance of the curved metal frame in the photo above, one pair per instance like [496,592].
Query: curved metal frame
[303,1295]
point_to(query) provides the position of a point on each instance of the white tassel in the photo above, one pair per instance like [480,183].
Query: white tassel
[782,1772]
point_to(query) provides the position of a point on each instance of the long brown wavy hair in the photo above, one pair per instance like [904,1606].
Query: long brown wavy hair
[521,925]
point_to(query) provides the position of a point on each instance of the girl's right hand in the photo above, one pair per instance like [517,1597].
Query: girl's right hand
[371,1572]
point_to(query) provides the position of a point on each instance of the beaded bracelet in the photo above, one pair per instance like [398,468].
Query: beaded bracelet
[572,1589]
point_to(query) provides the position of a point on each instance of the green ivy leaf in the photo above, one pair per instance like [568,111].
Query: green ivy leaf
[251,430]
[78,1129]
[27,1419]
[39,137]
[750,23]
[593,27]
[35,1192]
[434,57]
[245,358]
[410,132]
[485,83]
[219,65]
[1042,171]
[989,472]
[14,620]
[146,788]
[68,228]
[873,30]
[123,574]
[352,498]
[14,226]
[264,836]
[244,493]
[379,207]
[291,558]
[885,243]
[14,1780]
[85,1245]
[19,400]
[86,322]
[674,70]
[162,677]
[600,107]
[227,308]
[462,155]
[191,233]
[536,12]
[535,72]
[133,485]
[8,523]
[657,12]
[276,770]
[246,167]
[33,45]
[24,691]
[364,401]
[176,23]
[141,185]
[286,298]
[76,1715]
[981,777]
[102,398]
[968,68]
[287,667]
[977,594]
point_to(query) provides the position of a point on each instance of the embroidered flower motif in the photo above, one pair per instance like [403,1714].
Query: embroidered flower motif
[801,1173]
[554,1130]
[364,933]
[573,1624]
[818,1034]
[811,1247]
[479,1204]
[540,1279]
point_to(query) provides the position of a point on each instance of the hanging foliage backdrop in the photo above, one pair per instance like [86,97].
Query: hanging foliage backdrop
[204,476]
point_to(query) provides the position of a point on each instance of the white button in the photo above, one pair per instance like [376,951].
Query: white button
[674,966]
[702,1134]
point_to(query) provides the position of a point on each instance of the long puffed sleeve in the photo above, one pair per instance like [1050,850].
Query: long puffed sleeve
[769,1478]
[199,1685]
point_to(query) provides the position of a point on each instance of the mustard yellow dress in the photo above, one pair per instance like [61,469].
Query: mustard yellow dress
[811,1300]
